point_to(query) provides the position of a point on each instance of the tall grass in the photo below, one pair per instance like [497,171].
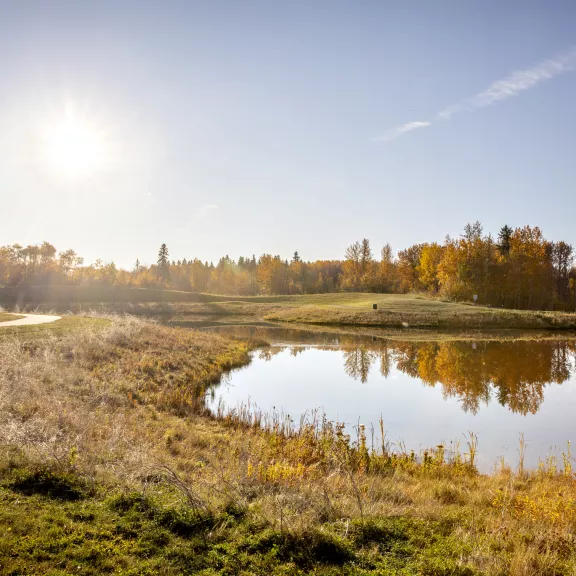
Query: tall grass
[314,440]
[120,406]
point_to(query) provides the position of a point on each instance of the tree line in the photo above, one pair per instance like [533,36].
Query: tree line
[519,268]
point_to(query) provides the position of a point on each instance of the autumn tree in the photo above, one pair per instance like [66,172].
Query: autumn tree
[68,260]
[387,273]
[353,267]
[358,267]
[430,257]
[272,274]
[562,257]
[408,262]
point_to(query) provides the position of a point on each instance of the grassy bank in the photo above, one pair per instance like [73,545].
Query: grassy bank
[6,317]
[110,464]
[65,326]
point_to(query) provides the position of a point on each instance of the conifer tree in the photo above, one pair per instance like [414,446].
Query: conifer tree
[163,263]
[504,237]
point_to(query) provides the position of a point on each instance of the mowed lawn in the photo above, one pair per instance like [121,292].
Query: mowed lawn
[359,301]
[355,300]
[409,310]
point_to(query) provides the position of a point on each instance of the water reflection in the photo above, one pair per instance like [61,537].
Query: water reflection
[513,373]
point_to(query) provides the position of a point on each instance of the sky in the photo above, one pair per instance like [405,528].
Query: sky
[240,128]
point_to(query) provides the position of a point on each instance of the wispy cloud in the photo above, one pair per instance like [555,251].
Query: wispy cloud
[524,80]
[449,111]
[515,83]
[394,133]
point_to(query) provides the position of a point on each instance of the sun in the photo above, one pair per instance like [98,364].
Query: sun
[73,147]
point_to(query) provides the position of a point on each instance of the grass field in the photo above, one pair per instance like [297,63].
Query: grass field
[110,464]
[410,311]
[6,317]
[394,311]
[65,325]
[342,309]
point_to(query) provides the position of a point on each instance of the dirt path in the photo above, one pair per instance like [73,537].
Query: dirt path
[30,319]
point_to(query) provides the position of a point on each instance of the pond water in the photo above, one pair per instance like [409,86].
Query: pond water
[426,392]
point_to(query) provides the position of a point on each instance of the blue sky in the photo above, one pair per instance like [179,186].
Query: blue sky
[251,127]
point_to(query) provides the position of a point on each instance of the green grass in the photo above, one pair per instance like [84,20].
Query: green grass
[394,311]
[413,311]
[5,317]
[77,528]
[57,328]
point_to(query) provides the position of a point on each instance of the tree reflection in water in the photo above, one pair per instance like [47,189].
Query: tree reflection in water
[514,373]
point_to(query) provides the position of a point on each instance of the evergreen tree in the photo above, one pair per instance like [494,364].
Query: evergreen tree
[504,237]
[163,263]
[296,257]
[137,265]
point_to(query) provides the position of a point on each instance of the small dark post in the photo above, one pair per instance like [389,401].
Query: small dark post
[374,306]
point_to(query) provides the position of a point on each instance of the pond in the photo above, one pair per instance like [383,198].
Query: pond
[426,392]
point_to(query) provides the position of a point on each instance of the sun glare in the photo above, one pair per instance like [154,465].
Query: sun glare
[73,147]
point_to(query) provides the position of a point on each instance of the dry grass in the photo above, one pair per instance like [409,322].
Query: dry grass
[117,407]
[6,317]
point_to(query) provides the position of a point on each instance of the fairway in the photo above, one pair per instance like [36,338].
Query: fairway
[335,309]
[361,300]
[393,310]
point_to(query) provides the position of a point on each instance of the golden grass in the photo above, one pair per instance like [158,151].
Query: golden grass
[118,405]
[66,325]
[6,317]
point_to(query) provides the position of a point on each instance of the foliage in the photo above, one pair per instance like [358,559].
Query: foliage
[522,270]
